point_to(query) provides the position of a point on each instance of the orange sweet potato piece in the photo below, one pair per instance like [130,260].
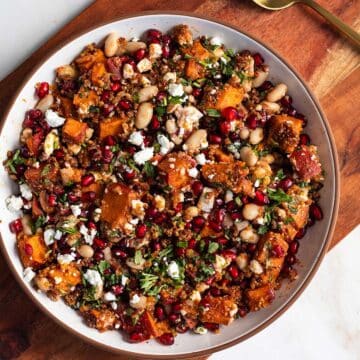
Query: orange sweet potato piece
[84,99]
[197,51]
[74,131]
[221,311]
[273,268]
[267,243]
[32,250]
[97,188]
[176,167]
[99,75]
[194,70]
[70,175]
[89,57]
[284,132]
[41,177]
[228,96]
[33,143]
[111,127]
[116,205]
[100,319]
[232,175]
[261,297]
[154,328]
[66,106]
[207,231]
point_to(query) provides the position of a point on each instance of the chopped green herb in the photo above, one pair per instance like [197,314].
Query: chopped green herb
[15,160]
[102,266]
[213,112]
[147,281]
[288,220]
[160,110]
[280,175]
[46,170]
[138,258]
[263,229]
[279,196]
[182,244]
[149,169]
[213,247]
[39,222]
[94,109]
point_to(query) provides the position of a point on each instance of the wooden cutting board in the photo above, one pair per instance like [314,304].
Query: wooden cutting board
[326,61]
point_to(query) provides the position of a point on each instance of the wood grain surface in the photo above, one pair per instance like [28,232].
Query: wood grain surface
[326,61]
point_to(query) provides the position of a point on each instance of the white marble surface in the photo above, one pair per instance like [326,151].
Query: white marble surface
[324,323]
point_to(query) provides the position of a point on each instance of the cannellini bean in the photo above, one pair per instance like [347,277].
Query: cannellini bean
[248,155]
[260,78]
[45,103]
[111,44]
[241,225]
[26,224]
[251,211]
[86,251]
[270,107]
[242,261]
[191,212]
[268,158]
[171,126]
[278,92]
[107,254]
[147,93]
[249,235]
[144,115]
[256,136]
[244,133]
[195,140]
[255,267]
[133,46]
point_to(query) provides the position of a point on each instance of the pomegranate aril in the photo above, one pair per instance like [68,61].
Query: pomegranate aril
[117,289]
[28,249]
[174,318]
[72,198]
[166,339]
[109,140]
[180,252]
[20,169]
[233,271]
[191,244]
[59,154]
[151,212]
[294,247]
[88,196]
[236,216]
[160,218]
[141,230]
[196,92]
[229,113]
[266,86]
[225,127]
[140,54]
[285,184]
[252,122]
[156,246]
[52,200]
[261,198]
[99,243]
[198,222]
[91,225]
[105,96]
[107,155]
[215,226]
[214,291]
[166,39]
[42,89]
[87,180]
[290,259]
[107,109]
[222,240]
[166,51]
[286,100]
[215,139]
[137,336]
[229,254]
[258,59]
[153,34]
[197,187]
[16,226]
[300,234]
[125,104]
[234,136]
[304,139]
[211,326]
[99,255]
[155,123]
[161,96]
[182,328]
[129,175]
[278,251]
[159,312]
[115,87]
[119,253]
[316,212]
[243,311]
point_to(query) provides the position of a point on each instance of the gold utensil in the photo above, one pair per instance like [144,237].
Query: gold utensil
[335,21]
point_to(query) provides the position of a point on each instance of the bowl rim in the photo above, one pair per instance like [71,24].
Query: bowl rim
[318,260]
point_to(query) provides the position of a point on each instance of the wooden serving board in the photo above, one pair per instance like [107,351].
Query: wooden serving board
[326,61]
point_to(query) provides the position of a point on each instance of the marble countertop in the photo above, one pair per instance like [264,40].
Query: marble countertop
[324,322]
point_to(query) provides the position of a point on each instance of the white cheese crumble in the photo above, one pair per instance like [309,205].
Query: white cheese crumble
[229,195]
[255,267]
[14,203]
[173,270]
[53,119]
[76,210]
[58,235]
[26,191]
[109,296]
[155,51]
[193,172]
[65,259]
[49,235]
[144,65]
[176,89]
[93,277]
[134,300]
[165,144]
[136,138]
[170,76]
[200,330]
[215,41]
[144,155]
[124,280]
[195,296]
[221,263]
[88,237]
[200,159]
[28,274]
[160,202]
[188,117]
[128,71]
[114,307]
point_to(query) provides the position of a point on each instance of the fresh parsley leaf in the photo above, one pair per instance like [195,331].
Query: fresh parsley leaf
[213,112]
[15,160]
[160,110]
[149,170]
[39,222]
[147,281]
[46,170]
[102,266]
[279,196]
[280,175]
[263,229]
[94,109]
[182,244]
[288,220]
[213,247]
[138,258]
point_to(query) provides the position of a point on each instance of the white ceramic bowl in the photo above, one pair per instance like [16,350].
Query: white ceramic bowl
[312,248]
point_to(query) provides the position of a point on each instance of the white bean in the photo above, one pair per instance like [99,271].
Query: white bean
[86,251]
[111,44]
[260,78]
[144,115]
[251,211]
[133,46]
[147,93]
[244,133]
[195,140]
[248,155]
[249,235]
[45,103]
[256,136]
[242,261]
[270,107]
[278,92]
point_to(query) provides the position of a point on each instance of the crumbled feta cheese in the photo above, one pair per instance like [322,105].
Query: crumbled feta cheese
[229,195]
[193,172]
[76,210]
[28,274]
[160,202]
[124,280]
[128,228]
[58,235]
[109,296]
[14,203]
[134,221]
[188,117]
[233,311]
[136,138]
[173,270]
[200,159]
[114,307]
[66,258]
[200,330]
[53,119]
[170,76]
[255,267]
[144,65]
[206,200]
[155,51]
[134,300]
[176,89]
[195,296]
[51,142]
[49,235]
[128,71]
[165,144]
[93,277]
[144,155]
[215,41]
[242,261]
[257,183]
[88,237]
[138,208]
[26,191]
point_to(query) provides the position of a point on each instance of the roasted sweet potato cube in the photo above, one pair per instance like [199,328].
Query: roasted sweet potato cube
[289,232]
[99,75]
[33,143]
[273,268]
[228,96]
[306,162]
[232,175]
[100,319]
[66,106]
[70,175]
[207,231]
[113,127]
[116,205]
[194,70]
[42,177]
[260,297]
[197,51]
[221,311]
[84,99]
[218,155]
[97,188]
[182,35]
[89,57]
[267,243]
[154,328]
[284,132]
[176,167]
[32,250]
[74,131]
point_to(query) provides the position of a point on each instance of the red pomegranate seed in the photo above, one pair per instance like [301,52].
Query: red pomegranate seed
[252,122]
[156,246]
[160,218]
[278,251]
[294,247]
[125,104]
[118,253]
[231,205]
[153,34]
[99,243]
[174,318]
[197,187]
[304,139]
[211,326]
[166,39]
[109,140]
[191,244]
[234,136]
[28,249]
[229,113]
[285,184]
[233,271]
[91,225]
[107,155]
[59,154]
[286,100]
[236,216]
[166,51]
[129,175]
[258,59]
[151,212]
[300,234]
[176,308]
[155,123]
[245,199]
[198,222]
[99,255]
[72,198]
[52,200]
[88,196]
[316,212]
[107,109]
[42,89]
[115,87]
[105,96]
[16,226]
[251,248]
[215,226]
[140,54]
[215,139]
[261,198]
[196,92]
[87,180]
[266,86]
[222,240]
[225,127]
[182,328]
[136,337]
[290,259]
[178,207]
[214,291]
[35,114]
[141,230]
[229,254]
[243,311]
[159,312]
[166,339]
[204,303]
[180,252]
[117,289]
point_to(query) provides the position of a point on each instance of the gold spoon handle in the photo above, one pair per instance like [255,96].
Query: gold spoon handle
[340,25]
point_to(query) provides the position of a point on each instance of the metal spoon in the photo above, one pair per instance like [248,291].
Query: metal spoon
[335,21]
